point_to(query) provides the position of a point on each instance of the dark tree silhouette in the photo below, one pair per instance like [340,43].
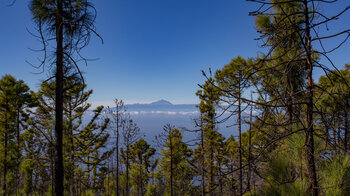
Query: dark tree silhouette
[68,23]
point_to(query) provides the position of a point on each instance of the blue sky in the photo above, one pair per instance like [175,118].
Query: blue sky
[153,49]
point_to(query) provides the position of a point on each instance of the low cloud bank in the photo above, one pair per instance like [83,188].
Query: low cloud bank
[190,113]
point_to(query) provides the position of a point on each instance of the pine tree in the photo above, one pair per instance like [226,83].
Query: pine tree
[14,96]
[70,23]
[141,166]
[232,80]
[291,29]
[335,107]
[209,96]
[117,116]
[174,164]
[84,144]
[131,134]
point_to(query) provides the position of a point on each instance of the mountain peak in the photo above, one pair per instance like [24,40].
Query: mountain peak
[161,102]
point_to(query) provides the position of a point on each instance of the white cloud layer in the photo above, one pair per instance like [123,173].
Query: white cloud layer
[162,112]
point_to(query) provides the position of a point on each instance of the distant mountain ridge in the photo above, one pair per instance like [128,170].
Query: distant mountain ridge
[161,105]
[161,102]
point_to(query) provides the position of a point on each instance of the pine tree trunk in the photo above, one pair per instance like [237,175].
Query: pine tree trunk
[240,141]
[346,127]
[334,136]
[141,175]
[250,147]
[309,96]
[117,164]
[52,168]
[59,172]
[19,151]
[117,151]
[171,166]
[202,160]
[212,182]
[127,171]
[72,177]
[4,186]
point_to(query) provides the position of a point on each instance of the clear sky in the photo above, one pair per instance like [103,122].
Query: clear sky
[153,49]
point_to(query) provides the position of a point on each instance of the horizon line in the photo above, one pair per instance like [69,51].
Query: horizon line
[132,102]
